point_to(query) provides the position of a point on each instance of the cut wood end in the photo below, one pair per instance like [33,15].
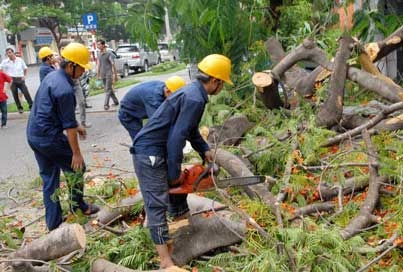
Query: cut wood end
[261,80]
[80,234]
[174,226]
[323,75]
[204,132]
[394,40]
[395,120]
[372,50]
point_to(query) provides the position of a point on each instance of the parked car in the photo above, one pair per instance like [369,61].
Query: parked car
[121,64]
[168,52]
[138,58]
[122,68]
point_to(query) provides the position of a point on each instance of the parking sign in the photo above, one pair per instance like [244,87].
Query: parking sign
[90,21]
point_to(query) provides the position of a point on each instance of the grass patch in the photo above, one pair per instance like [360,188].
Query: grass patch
[120,84]
[13,107]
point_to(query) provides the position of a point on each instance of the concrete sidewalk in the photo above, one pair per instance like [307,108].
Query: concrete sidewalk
[97,101]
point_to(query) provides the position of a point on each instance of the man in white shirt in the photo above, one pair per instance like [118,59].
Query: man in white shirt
[16,68]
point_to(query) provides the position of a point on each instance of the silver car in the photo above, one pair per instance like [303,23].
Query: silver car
[138,58]
[167,52]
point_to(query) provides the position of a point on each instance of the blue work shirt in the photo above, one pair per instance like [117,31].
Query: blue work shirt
[53,110]
[174,122]
[141,101]
[45,69]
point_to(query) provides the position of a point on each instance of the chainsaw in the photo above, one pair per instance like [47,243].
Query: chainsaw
[199,178]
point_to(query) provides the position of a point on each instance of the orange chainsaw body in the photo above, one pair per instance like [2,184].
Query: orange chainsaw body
[194,178]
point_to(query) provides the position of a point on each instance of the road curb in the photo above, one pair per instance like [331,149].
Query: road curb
[25,115]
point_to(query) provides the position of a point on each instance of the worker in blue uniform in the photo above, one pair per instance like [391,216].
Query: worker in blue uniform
[52,114]
[47,56]
[157,149]
[141,101]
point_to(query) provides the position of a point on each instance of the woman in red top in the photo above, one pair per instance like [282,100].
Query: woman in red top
[3,98]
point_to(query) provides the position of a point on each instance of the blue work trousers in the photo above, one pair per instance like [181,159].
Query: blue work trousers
[131,124]
[52,157]
[151,171]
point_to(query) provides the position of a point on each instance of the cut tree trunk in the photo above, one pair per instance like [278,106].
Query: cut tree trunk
[231,132]
[204,234]
[294,77]
[102,265]
[57,243]
[330,112]
[365,217]
[380,49]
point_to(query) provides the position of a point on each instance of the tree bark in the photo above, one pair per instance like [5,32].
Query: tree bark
[330,112]
[231,132]
[102,265]
[365,217]
[57,243]
[204,234]
[382,48]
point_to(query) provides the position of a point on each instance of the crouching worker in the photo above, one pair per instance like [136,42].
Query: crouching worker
[157,149]
[53,113]
[143,100]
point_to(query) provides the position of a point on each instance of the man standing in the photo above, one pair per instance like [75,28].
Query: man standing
[16,68]
[53,113]
[107,72]
[158,148]
[141,101]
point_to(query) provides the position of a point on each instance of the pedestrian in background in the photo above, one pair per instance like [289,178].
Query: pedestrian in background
[107,72]
[141,101]
[4,78]
[158,149]
[53,113]
[16,68]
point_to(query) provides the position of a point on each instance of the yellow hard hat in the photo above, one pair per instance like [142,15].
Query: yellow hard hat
[44,52]
[77,53]
[217,66]
[174,83]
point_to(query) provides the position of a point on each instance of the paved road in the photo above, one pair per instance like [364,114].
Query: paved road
[102,149]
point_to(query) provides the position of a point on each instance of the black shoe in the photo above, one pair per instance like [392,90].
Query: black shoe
[106,107]
[88,106]
[20,111]
[116,104]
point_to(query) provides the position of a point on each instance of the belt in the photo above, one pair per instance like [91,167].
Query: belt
[16,77]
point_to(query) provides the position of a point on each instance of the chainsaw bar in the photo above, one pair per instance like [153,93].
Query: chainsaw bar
[240,181]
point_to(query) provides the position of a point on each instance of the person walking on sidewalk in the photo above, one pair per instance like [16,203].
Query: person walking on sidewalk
[3,98]
[53,112]
[107,72]
[16,68]
[157,150]
[141,101]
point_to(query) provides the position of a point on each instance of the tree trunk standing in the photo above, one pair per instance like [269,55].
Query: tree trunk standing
[330,112]
[53,25]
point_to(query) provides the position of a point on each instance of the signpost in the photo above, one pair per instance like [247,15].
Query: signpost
[90,22]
